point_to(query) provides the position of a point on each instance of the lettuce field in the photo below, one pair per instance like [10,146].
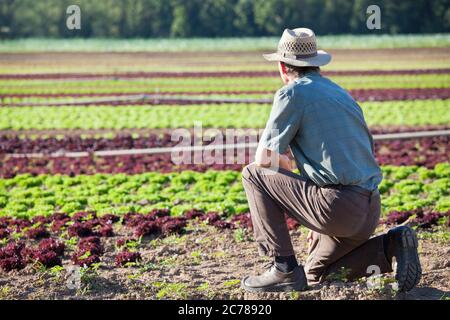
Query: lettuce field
[92,205]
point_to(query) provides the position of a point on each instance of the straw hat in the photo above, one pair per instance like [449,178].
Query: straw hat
[298,47]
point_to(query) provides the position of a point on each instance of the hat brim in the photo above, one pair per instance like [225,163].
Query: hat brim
[322,58]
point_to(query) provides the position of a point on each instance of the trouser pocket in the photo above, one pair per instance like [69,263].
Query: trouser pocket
[347,214]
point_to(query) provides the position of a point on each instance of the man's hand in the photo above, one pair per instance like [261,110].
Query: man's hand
[285,162]
[268,158]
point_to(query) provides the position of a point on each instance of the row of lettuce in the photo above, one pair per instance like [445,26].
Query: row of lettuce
[403,188]
[418,112]
[213,84]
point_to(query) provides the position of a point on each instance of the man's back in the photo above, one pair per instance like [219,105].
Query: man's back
[331,143]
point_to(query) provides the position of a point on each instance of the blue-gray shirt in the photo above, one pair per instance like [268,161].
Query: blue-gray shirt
[327,133]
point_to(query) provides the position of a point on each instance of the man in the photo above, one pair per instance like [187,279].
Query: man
[335,195]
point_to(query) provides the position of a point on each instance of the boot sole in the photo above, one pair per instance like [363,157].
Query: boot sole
[280,287]
[408,271]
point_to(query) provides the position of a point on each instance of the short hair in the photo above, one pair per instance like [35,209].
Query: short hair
[300,71]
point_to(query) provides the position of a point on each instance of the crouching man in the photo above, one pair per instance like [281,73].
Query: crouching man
[336,194]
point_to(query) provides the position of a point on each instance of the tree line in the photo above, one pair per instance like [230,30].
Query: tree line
[217,18]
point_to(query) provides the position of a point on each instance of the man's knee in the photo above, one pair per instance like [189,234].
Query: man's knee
[249,171]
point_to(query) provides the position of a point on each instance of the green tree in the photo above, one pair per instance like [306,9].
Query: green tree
[151,23]
[182,19]
[6,18]
[244,20]
[215,18]
[335,17]
[273,16]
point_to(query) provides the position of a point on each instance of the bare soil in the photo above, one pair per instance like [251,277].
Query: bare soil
[206,263]
[387,59]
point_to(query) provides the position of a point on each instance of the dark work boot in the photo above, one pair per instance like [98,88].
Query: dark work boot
[273,280]
[401,243]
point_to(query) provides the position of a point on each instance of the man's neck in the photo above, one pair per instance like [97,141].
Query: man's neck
[309,73]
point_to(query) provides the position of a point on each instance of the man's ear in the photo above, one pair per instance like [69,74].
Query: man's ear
[283,67]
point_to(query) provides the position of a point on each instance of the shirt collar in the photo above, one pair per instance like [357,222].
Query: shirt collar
[311,73]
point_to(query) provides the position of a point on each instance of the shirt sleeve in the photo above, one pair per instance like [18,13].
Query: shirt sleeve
[283,123]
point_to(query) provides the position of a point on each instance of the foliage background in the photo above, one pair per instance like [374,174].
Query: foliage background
[217,18]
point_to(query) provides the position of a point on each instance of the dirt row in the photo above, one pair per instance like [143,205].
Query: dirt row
[179,61]
[206,263]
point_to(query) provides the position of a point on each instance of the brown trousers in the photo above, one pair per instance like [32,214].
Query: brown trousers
[342,220]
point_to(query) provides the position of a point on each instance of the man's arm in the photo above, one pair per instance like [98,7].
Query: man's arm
[280,130]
